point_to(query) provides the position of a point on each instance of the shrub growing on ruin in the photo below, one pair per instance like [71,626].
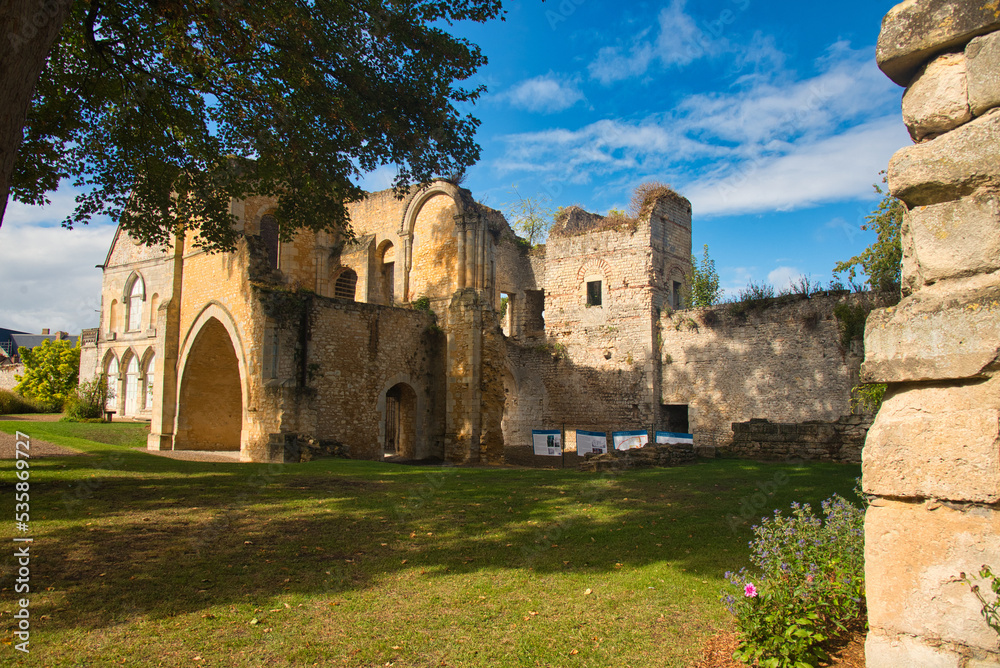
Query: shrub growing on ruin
[703,282]
[806,588]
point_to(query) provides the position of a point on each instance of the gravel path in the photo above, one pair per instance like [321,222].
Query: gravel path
[196,455]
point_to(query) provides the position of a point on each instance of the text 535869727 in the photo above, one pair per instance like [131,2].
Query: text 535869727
[22,547]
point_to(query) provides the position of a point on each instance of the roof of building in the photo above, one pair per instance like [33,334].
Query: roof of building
[12,339]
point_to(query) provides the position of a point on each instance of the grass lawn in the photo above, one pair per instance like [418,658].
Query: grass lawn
[146,561]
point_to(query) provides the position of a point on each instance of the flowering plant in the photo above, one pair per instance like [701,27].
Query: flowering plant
[808,586]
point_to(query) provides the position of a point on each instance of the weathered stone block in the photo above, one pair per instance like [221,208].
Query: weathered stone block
[959,238]
[938,99]
[933,337]
[950,166]
[913,556]
[983,72]
[914,30]
[895,651]
[937,442]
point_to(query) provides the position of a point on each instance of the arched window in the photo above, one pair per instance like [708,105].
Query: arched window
[136,296]
[131,386]
[269,235]
[149,375]
[111,377]
[346,282]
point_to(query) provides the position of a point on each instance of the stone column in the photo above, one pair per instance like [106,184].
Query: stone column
[932,457]
[460,231]
[161,429]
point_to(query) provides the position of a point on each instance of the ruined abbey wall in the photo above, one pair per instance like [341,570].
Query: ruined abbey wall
[932,457]
[784,361]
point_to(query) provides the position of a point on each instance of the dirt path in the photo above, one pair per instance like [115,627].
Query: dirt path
[38,448]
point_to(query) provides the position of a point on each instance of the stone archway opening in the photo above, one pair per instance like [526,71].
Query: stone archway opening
[210,411]
[400,421]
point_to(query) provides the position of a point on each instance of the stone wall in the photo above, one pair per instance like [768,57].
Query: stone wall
[7,375]
[783,360]
[838,441]
[932,457]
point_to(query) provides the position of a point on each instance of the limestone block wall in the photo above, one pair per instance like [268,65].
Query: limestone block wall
[932,457]
[784,363]
[837,441]
[359,352]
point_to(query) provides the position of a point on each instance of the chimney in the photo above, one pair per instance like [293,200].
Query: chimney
[45,332]
[62,336]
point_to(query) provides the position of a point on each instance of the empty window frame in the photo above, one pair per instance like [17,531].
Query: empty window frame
[594,293]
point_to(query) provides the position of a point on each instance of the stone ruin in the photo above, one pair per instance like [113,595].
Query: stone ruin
[932,457]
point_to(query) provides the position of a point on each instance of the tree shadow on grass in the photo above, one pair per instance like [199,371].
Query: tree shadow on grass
[126,534]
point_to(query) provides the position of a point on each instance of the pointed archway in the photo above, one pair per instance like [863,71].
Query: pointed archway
[210,410]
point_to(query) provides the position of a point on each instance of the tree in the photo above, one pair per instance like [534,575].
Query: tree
[531,215]
[881,261]
[50,372]
[704,281]
[168,109]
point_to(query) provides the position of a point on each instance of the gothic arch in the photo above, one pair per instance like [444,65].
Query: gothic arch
[213,384]
[411,408]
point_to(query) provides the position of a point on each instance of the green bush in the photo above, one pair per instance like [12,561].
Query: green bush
[50,372]
[808,586]
[12,402]
[86,402]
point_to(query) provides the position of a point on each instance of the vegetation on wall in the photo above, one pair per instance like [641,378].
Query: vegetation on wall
[87,400]
[531,216]
[703,283]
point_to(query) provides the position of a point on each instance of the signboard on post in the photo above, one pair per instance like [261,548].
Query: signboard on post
[546,442]
[626,440]
[591,441]
[674,437]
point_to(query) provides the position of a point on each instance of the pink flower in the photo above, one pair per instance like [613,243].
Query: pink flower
[749,590]
[809,578]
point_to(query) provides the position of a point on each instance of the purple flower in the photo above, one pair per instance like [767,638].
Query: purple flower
[749,590]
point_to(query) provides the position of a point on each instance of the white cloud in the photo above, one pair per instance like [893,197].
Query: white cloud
[807,173]
[47,272]
[547,93]
[782,278]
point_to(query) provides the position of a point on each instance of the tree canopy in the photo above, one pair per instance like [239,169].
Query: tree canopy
[164,110]
[50,372]
[881,261]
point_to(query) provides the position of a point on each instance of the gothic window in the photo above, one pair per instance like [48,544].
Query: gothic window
[150,374]
[346,282]
[136,296]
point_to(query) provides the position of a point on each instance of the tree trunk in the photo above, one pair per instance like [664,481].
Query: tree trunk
[28,29]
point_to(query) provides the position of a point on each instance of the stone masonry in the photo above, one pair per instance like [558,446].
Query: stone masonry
[932,457]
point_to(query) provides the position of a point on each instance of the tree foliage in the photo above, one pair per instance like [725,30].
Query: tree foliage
[50,372]
[531,216]
[881,261]
[704,287]
[164,110]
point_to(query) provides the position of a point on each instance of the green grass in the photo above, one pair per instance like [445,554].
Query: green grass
[146,561]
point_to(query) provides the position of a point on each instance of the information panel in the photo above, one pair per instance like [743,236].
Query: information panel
[546,442]
[626,440]
[591,441]
[674,437]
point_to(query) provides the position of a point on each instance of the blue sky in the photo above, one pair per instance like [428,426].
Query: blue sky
[771,117]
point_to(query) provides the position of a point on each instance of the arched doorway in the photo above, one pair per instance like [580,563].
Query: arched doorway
[131,385]
[400,421]
[210,411]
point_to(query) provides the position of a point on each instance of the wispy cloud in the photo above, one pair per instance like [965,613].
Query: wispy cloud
[547,93]
[677,40]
